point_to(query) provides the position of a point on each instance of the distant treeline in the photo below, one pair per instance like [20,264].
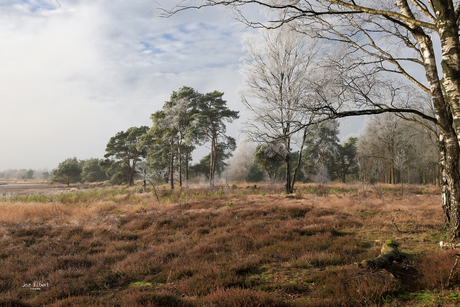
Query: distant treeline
[25,174]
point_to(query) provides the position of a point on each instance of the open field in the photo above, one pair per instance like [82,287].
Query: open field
[29,188]
[224,247]
[24,187]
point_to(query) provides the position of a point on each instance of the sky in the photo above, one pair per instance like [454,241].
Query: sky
[73,73]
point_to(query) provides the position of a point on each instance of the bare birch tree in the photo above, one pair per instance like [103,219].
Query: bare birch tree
[277,68]
[389,36]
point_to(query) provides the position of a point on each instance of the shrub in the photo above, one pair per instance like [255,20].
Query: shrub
[434,269]
[354,287]
[236,297]
[138,297]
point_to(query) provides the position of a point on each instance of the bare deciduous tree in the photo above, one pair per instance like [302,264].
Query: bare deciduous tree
[277,69]
[384,137]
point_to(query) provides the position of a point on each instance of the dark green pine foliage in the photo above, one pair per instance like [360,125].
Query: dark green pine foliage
[158,159]
[269,161]
[122,155]
[255,174]
[344,162]
[67,172]
[210,114]
[321,145]
[92,171]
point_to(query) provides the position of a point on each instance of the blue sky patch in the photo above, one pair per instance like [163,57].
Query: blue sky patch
[40,5]
[150,47]
[169,37]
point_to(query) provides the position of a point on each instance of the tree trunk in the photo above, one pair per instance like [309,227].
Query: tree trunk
[408,173]
[180,163]
[298,160]
[131,178]
[287,161]
[171,168]
[144,182]
[437,174]
[212,163]
[186,166]
[450,151]
[268,172]
[132,171]
[450,183]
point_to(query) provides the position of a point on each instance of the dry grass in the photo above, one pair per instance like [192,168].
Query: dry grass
[222,247]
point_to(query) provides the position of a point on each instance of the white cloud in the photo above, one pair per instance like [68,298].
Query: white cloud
[73,76]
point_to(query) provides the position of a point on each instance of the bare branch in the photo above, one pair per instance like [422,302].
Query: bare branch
[424,9]
[355,9]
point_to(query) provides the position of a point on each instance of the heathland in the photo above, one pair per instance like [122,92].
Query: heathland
[227,246]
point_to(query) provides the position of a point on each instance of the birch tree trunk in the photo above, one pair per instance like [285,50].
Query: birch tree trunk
[450,180]
[446,102]
[448,140]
